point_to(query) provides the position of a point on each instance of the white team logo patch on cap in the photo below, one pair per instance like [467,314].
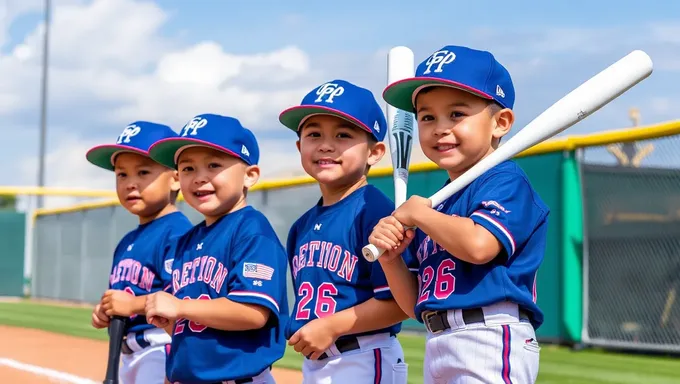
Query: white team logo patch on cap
[128,132]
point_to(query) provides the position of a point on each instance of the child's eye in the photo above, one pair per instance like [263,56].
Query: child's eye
[214,165]
[457,114]
[426,118]
[143,172]
[344,135]
[121,175]
[313,134]
[187,169]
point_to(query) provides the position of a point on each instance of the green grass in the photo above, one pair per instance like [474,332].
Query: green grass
[558,365]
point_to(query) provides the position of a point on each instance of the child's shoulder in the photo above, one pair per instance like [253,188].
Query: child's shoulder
[127,239]
[375,203]
[509,176]
[508,171]
[176,223]
[251,222]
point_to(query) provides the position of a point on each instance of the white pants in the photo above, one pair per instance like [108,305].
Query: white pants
[145,365]
[500,350]
[263,378]
[380,360]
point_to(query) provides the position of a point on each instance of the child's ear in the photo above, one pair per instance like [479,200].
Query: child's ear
[297,144]
[503,121]
[174,181]
[376,152]
[251,176]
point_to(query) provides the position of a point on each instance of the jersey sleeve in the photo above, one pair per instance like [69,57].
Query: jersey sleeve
[410,256]
[166,256]
[504,205]
[290,248]
[258,275]
[372,215]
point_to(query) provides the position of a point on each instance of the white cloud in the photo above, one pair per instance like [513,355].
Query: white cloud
[11,9]
[111,63]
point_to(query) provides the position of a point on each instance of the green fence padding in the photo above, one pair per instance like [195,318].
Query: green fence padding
[12,238]
[572,261]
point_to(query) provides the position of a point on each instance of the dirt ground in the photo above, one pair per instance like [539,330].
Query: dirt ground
[86,359]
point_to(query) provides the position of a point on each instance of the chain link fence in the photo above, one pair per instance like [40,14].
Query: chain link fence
[631,263]
[72,251]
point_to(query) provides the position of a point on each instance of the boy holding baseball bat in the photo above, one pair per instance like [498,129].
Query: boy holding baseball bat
[344,320]
[228,306]
[480,250]
[148,190]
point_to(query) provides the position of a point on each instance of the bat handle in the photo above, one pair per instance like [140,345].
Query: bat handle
[371,252]
[116,330]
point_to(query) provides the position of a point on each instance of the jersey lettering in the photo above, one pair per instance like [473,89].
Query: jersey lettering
[427,248]
[326,255]
[131,270]
[444,281]
[182,323]
[205,269]
[325,303]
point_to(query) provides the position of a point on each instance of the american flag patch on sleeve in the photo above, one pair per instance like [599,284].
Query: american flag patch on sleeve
[257,271]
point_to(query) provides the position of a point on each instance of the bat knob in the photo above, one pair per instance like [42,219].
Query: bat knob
[371,252]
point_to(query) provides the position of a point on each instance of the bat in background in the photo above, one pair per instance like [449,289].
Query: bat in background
[400,65]
[578,104]
[116,329]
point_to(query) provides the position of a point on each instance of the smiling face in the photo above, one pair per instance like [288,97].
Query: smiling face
[214,183]
[144,187]
[335,152]
[457,129]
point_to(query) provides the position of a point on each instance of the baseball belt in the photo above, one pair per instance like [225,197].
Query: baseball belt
[437,321]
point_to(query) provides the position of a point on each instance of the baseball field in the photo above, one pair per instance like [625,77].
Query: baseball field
[48,343]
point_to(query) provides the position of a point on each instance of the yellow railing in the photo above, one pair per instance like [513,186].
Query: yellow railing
[55,191]
[567,143]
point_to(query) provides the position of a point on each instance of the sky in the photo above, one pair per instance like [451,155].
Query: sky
[116,61]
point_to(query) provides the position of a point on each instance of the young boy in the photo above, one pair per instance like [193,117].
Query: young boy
[148,190]
[228,277]
[480,250]
[345,319]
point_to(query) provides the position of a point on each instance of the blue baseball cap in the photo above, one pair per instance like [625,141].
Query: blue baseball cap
[467,69]
[222,133]
[136,138]
[342,99]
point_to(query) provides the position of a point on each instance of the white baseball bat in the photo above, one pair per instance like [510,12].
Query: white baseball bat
[578,104]
[400,65]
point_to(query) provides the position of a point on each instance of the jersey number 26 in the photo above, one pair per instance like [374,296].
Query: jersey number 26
[181,323]
[325,303]
[444,281]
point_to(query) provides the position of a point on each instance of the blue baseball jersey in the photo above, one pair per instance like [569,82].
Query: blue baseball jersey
[503,202]
[241,258]
[324,251]
[140,266]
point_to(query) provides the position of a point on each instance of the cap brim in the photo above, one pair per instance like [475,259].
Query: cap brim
[165,151]
[102,155]
[400,94]
[293,117]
